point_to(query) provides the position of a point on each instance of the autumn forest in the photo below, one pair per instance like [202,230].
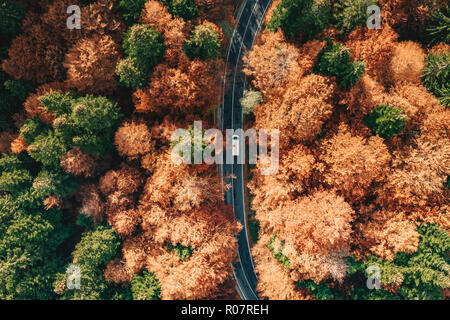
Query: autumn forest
[88,187]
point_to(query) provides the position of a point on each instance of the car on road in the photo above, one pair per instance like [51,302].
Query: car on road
[235,145]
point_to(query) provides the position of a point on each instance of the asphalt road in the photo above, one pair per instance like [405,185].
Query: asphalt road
[249,18]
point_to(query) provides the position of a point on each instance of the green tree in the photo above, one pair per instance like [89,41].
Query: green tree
[11,14]
[185,9]
[145,286]
[278,253]
[145,49]
[31,128]
[436,75]
[58,183]
[131,10]
[307,17]
[14,178]
[350,14]
[439,27]
[87,122]
[183,252]
[418,276]
[130,75]
[204,43]
[96,248]
[387,121]
[47,149]
[335,60]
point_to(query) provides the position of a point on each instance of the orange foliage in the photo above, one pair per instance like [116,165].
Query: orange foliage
[117,273]
[179,189]
[133,139]
[33,106]
[407,62]
[363,97]
[208,266]
[18,145]
[35,55]
[387,233]
[156,15]
[418,177]
[102,18]
[176,91]
[269,191]
[375,47]
[91,202]
[300,112]
[353,163]
[78,163]
[91,65]
[274,281]
[272,62]
[126,181]
[6,138]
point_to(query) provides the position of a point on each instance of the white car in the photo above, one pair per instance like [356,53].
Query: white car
[235,145]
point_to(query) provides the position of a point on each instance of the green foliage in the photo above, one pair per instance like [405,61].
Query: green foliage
[307,17]
[12,94]
[87,122]
[130,75]
[96,248]
[185,9]
[436,76]
[250,100]
[350,14]
[204,43]
[11,14]
[58,183]
[227,28]
[19,89]
[145,286]
[131,10]
[15,181]
[278,254]
[183,252]
[47,149]
[145,44]
[59,102]
[335,60]
[387,121]
[421,275]
[95,114]
[145,49]
[439,27]
[84,221]
[320,291]
[29,242]
[31,128]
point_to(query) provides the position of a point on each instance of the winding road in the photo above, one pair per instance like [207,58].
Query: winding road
[249,18]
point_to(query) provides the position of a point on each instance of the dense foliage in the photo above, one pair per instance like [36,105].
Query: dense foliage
[306,17]
[436,76]
[335,60]
[362,182]
[387,121]
[145,49]
[204,43]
